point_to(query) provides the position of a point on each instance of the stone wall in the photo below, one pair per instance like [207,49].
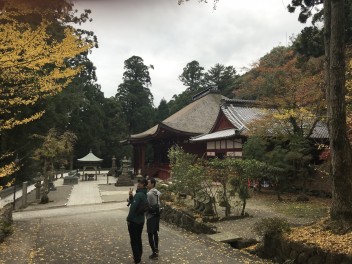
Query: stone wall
[306,254]
[5,221]
[186,221]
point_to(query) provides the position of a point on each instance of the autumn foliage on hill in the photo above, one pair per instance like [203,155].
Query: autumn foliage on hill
[293,87]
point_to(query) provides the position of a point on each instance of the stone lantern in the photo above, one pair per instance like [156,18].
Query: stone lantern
[62,169]
[124,179]
[38,185]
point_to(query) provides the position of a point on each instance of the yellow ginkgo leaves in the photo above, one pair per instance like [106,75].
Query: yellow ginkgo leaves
[33,66]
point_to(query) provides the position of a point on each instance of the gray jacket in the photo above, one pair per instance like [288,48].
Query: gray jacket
[153,197]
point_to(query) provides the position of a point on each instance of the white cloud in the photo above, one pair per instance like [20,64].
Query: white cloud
[169,36]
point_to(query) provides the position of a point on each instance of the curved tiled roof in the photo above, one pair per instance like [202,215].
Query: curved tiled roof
[227,133]
[241,114]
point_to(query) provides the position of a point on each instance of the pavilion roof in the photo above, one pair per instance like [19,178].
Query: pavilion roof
[90,157]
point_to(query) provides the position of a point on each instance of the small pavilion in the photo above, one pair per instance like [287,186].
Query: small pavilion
[90,162]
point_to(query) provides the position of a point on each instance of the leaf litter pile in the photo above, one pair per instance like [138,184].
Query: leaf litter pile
[333,236]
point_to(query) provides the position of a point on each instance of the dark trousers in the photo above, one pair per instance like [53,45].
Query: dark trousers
[135,231]
[152,229]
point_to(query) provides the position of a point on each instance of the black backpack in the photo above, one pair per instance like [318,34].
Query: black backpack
[155,209]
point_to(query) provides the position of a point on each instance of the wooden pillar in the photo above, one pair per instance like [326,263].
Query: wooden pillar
[139,158]
[142,159]
[135,158]
[84,169]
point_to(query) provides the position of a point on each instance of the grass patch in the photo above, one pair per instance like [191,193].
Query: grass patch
[289,206]
[302,210]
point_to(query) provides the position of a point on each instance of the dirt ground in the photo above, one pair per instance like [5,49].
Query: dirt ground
[265,204]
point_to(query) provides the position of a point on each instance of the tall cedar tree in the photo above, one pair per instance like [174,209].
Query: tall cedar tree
[134,95]
[219,77]
[192,76]
[163,111]
[222,78]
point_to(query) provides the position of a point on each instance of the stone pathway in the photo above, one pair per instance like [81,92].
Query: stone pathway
[86,192]
[95,234]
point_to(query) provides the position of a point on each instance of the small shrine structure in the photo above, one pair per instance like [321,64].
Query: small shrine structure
[90,163]
[113,170]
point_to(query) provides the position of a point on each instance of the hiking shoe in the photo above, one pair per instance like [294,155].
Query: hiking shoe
[153,256]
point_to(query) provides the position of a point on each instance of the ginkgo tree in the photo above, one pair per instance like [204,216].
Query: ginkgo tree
[32,69]
[55,148]
[34,63]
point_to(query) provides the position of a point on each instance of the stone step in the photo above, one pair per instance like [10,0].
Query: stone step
[225,237]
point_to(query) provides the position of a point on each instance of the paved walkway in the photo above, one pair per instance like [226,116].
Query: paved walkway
[78,229]
[97,234]
[100,191]
[86,192]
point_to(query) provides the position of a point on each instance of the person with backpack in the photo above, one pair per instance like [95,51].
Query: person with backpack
[153,217]
[135,219]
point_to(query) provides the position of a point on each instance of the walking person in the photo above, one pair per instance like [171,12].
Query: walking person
[153,217]
[135,218]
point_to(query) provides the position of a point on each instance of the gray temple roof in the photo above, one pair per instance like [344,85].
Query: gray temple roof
[241,115]
[90,157]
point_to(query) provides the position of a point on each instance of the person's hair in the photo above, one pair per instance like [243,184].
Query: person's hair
[152,181]
[143,181]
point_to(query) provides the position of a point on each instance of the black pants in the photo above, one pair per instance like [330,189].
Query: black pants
[152,229]
[135,231]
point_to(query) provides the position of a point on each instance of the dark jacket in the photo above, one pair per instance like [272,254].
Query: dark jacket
[139,198]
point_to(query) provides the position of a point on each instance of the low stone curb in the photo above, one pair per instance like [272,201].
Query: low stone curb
[185,221]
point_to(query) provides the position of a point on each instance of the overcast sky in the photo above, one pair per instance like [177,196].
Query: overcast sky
[169,36]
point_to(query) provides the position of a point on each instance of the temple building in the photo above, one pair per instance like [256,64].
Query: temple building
[211,126]
[230,130]
[194,119]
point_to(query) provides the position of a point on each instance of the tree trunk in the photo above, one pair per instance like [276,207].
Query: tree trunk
[45,187]
[341,159]
[244,206]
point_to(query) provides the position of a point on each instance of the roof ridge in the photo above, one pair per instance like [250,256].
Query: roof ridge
[204,93]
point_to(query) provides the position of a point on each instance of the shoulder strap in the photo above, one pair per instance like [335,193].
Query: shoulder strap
[157,198]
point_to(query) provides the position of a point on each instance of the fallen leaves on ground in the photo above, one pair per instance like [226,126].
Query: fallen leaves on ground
[319,235]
